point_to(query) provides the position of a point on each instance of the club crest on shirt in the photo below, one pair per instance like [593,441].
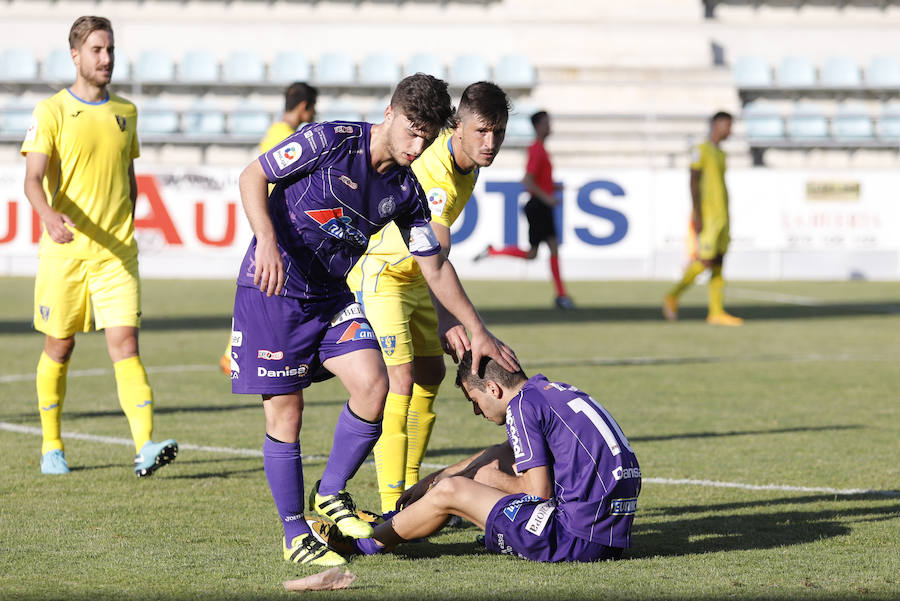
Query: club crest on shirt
[388,344]
[121,122]
[45,312]
[386,206]
[334,223]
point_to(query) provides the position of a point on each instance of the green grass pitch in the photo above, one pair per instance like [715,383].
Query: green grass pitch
[804,396]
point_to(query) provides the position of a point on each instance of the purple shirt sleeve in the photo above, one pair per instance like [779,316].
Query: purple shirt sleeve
[523,428]
[304,151]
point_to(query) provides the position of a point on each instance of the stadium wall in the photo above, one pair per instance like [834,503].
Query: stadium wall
[616,224]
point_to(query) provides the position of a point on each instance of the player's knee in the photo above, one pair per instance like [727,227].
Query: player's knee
[448,492]
[59,349]
[401,379]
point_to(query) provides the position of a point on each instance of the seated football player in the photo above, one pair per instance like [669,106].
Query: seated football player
[563,487]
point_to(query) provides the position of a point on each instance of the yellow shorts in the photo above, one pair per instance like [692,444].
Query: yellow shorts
[712,242]
[66,290]
[404,321]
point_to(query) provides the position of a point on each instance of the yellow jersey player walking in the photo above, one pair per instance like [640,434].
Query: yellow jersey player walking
[79,177]
[411,330]
[710,223]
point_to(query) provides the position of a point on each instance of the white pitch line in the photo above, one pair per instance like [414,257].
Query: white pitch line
[776,297]
[82,373]
[665,481]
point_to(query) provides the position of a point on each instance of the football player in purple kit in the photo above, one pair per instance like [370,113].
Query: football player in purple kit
[563,487]
[336,184]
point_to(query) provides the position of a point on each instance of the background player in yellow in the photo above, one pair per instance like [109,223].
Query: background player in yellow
[79,177]
[411,330]
[299,107]
[710,223]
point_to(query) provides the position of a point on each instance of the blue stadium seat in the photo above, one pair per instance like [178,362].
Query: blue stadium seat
[796,72]
[752,72]
[852,122]
[889,122]
[122,69]
[289,67]
[379,69]
[426,62]
[18,64]
[763,122]
[468,68]
[883,72]
[243,67]
[840,72]
[337,110]
[249,119]
[154,66]
[519,128]
[157,116]
[807,122]
[515,71]
[335,68]
[375,114]
[58,66]
[199,66]
[15,116]
[204,118]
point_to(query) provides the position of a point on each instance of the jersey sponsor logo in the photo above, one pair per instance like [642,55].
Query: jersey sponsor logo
[513,434]
[343,129]
[357,330]
[122,122]
[334,223]
[287,154]
[31,133]
[348,182]
[623,506]
[512,509]
[310,140]
[539,518]
[386,206]
[45,312]
[388,344]
[301,370]
[269,355]
[235,368]
[294,517]
[351,311]
[75,114]
[626,473]
[422,238]
[237,338]
[437,200]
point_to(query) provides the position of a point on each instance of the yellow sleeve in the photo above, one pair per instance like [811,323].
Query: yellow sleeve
[42,132]
[697,158]
[135,144]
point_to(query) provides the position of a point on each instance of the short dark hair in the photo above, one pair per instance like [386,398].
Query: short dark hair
[488,369]
[299,92]
[720,115]
[85,26]
[538,117]
[487,100]
[425,101]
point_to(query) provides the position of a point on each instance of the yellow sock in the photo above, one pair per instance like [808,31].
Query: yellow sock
[390,451]
[135,398]
[51,392]
[419,425]
[716,287]
[690,274]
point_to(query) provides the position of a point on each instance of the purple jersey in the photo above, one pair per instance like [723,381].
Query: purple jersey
[328,200]
[596,474]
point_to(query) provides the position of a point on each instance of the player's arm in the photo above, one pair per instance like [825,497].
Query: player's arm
[529,183]
[132,190]
[696,212]
[269,275]
[533,481]
[451,331]
[57,224]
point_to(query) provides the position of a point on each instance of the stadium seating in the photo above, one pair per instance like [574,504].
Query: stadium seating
[796,72]
[249,119]
[204,118]
[157,117]
[288,67]
[763,122]
[58,66]
[243,67]
[335,68]
[375,113]
[807,123]
[15,117]
[154,66]
[752,72]
[18,64]
[338,110]
[199,66]
[889,122]
[424,62]
[883,72]
[852,122]
[468,68]
[514,71]
[122,69]
[840,72]
[379,69]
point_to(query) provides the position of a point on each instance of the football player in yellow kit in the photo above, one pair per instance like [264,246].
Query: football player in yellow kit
[411,330]
[710,223]
[79,177]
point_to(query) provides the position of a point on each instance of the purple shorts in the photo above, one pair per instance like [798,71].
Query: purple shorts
[526,526]
[277,342]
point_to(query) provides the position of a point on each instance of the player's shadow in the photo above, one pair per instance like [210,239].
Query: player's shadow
[429,550]
[694,435]
[729,531]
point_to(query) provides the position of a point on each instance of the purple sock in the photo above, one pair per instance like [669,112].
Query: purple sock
[284,471]
[354,439]
[367,546]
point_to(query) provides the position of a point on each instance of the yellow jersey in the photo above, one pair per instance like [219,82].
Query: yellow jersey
[447,188]
[709,160]
[277,132]
[90,146]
